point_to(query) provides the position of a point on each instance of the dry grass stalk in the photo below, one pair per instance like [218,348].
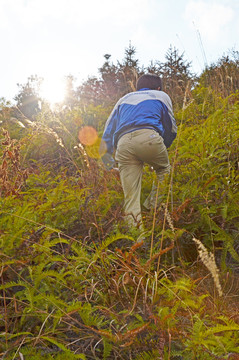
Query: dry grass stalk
[208,260]
[169,219]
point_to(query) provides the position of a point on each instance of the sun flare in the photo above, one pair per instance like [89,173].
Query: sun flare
[53,90]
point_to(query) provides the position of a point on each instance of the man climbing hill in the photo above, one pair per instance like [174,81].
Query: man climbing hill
[140,128]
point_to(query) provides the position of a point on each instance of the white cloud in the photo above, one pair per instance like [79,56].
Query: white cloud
[209,17]
[76,13]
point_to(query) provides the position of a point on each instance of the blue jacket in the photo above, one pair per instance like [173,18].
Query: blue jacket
[138,110]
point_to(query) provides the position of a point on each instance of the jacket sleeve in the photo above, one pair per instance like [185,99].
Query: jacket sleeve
[169,124]
[107,144]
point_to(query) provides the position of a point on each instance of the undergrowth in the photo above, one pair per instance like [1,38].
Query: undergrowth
[76,283]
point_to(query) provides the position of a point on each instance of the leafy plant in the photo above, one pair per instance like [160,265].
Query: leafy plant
[76,283]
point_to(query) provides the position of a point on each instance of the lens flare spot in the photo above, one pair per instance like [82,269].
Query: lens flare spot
[88,135]
[93,151]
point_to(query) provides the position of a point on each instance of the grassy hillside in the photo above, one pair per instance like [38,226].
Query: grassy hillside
[74,282]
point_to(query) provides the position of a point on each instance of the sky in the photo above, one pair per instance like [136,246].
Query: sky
[56,38]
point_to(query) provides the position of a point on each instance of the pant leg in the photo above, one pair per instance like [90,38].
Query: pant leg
[151,150]
[131,169]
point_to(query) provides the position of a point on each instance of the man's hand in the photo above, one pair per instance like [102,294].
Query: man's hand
[108,161]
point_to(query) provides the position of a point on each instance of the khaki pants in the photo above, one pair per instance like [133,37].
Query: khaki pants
[133,150]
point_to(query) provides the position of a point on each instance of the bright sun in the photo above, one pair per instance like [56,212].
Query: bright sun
[53,90]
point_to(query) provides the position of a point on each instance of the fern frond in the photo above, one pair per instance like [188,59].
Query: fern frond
[107,349]
[221,328]
[61,346]
[111,239]
[14,283]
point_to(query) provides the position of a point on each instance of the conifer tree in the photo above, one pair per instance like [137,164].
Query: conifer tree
[70,98]
[110,85]
[129,70]
[114,80]
[28,99]
[223,76]
[176,75]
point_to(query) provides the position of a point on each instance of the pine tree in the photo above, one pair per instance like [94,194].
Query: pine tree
[113,82]
[176,75]
[28,99]
[223,77]
[70,99]
[110,84]
[129,71]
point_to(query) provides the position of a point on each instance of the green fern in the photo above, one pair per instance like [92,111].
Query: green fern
[107,349]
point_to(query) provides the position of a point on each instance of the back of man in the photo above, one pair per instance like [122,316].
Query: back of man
[140,128]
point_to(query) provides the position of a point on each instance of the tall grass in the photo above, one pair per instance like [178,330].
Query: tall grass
[75,284]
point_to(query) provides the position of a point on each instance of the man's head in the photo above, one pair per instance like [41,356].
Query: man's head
[150,81]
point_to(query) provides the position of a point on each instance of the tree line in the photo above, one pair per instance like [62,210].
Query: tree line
[116,79]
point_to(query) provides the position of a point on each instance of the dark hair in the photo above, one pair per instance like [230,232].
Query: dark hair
[149,81]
